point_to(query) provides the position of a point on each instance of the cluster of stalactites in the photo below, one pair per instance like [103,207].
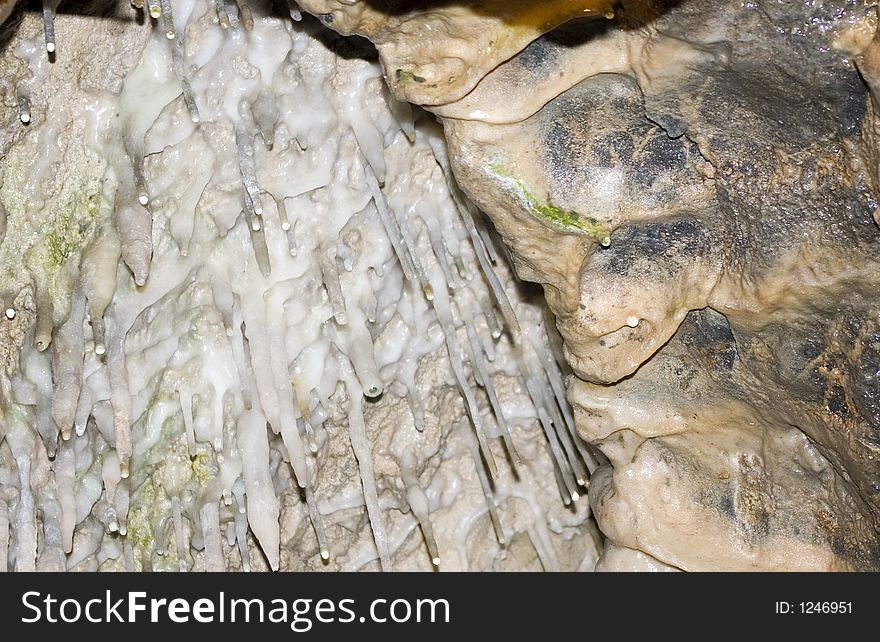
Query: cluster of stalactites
[463,303]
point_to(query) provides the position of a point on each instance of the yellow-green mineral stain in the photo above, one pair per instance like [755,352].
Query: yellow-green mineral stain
[407,76]
[151,502]
[204,470]
[68,229]
[566,221]
[172,472]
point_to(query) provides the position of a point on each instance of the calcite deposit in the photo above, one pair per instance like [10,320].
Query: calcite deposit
[250,320]
[255,318]
[694,187]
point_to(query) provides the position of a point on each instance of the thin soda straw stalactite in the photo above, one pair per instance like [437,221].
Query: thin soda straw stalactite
[49,9]
[418,503]
[247,17]
[485,484]
[168,19]
[317,523]
[24,110]
[486,382]
[450,274]
[360,445]
[209,518]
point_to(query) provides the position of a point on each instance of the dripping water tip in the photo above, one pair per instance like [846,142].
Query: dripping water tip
[374,391]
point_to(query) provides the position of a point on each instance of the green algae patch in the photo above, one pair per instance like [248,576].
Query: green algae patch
[562,220]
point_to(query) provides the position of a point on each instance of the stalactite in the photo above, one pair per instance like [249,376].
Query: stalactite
[65,478]
[317,523]
[179,537]
[485,484]
[262,504]
[360,445]
[209,515]
[68,352]
[49,8]
[98,271]
[45,319]
[110,475]
[295,13]
[389,223]
[247,18]
[432,272]
[50,554]
[544,419]
[486,383]
[330,277]
[121,505]
[168,19]
[120,399]
[223,19]
[180,71]
[418,503]
[21,443]
[241,526]
[454,351]
[245,143]
[24,108]
[186,401]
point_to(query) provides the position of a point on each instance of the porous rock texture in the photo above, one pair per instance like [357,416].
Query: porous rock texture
[694,185]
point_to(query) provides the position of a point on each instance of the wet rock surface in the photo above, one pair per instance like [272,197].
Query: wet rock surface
[699,209]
